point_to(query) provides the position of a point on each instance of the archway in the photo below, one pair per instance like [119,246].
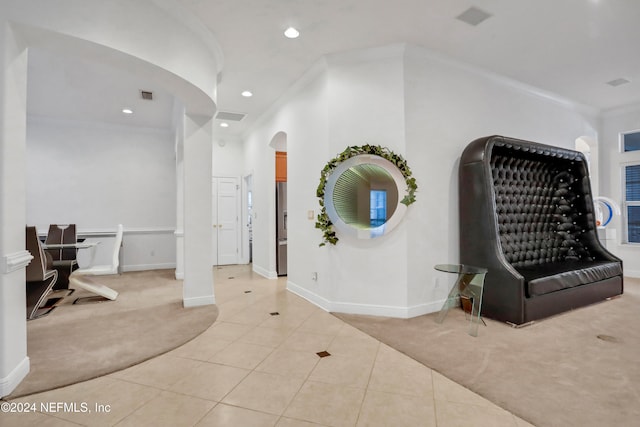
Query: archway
[109,39]
[280,241]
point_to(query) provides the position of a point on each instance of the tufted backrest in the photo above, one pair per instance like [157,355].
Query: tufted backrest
[540,206]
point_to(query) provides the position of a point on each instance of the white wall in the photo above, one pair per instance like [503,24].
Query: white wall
[14,363]
[98,175]
[611,159]
[347,101]
[303,118]
[366,106]
[449,104]
[228,157]
[420,105]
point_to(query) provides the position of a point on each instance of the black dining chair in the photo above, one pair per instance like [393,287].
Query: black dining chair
[64,259]
[40,277]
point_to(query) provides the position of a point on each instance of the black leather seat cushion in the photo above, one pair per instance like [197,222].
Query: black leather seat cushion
[545,278]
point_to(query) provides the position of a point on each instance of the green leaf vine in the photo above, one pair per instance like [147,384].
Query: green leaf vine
[323,222]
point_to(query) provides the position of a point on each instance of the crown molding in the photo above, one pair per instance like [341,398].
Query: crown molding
[618,111]
[422,52]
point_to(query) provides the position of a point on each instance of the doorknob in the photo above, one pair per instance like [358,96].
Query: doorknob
[215,225]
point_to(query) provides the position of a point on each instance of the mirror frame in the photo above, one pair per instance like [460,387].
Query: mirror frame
[372,232]
[323,222]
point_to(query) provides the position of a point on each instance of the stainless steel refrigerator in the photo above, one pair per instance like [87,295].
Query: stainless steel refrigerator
[281,228]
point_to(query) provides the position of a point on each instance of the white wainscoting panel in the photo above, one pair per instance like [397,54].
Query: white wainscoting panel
[16,261]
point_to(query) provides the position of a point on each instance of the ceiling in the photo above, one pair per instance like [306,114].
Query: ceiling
[571,48]
[70,88]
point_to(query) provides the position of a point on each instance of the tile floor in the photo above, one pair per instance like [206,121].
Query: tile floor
[257,365]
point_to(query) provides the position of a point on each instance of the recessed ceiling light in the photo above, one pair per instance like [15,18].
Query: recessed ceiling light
[127,111]
[619,81]
[291,33]
[473,16]
[224,125]
[247,94]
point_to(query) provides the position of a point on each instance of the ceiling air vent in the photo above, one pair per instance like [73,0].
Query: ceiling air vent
[473,16]
[227,115]
[618,82]
[146,95]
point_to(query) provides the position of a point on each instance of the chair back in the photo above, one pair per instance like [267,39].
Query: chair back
[115,262]
[37,268]
[60,234]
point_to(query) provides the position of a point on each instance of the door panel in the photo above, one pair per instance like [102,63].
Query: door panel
[225,220]
[214,221]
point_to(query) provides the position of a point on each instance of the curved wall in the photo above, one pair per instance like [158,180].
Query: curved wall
[152,32]
[151,37]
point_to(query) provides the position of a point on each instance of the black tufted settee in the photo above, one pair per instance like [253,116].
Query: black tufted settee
[526,214]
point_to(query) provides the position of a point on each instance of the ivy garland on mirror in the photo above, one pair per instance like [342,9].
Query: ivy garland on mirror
[323,222]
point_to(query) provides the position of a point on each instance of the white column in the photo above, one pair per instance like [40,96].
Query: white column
[180,198]
[198,271]
[14,363]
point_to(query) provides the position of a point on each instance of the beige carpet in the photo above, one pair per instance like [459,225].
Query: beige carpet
[581,368]
[79,342]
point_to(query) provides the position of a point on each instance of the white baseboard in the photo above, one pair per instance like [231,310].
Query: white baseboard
[199,301]
[425,308]
[11,381]
[367,309]
[144,267]
[632,273]
[313,298]
[179,275]
[264,272]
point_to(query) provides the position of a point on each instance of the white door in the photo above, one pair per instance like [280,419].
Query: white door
[225,220]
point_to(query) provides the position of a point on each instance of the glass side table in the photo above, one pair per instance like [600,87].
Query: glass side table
[469,284]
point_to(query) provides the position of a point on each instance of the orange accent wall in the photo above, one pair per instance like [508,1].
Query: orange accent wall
[281,166]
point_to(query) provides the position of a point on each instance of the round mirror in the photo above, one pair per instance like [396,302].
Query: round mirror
[363,196]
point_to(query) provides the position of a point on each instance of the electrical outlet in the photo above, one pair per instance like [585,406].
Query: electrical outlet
[314,276]
[311,214]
